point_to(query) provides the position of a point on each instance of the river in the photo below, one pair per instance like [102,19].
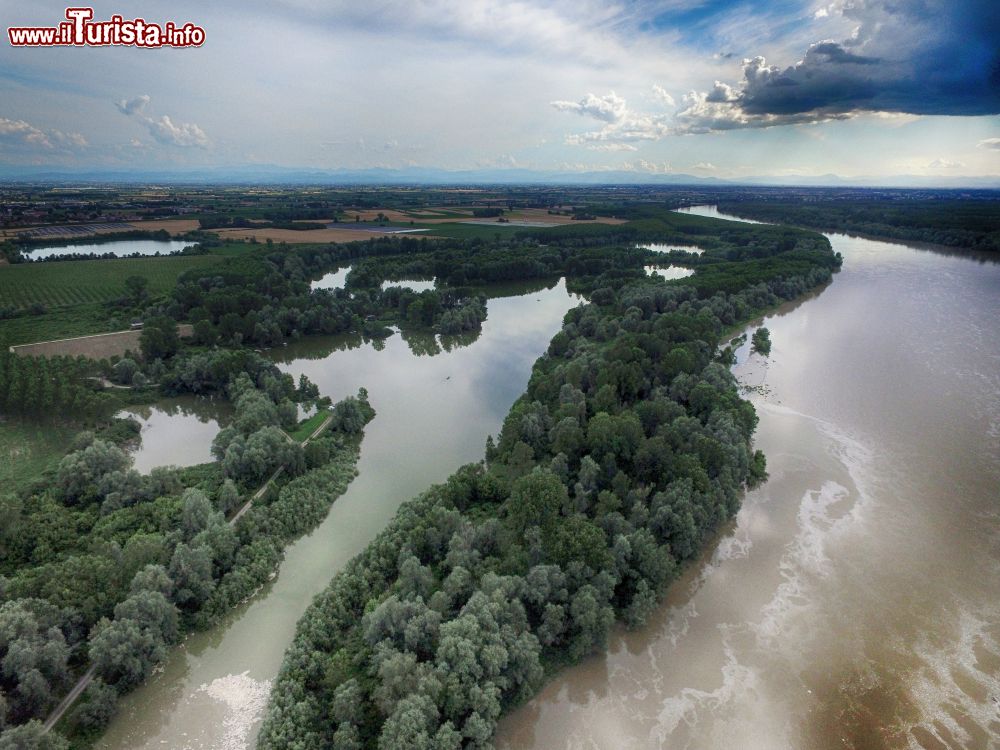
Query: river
[855,600]
[436,402]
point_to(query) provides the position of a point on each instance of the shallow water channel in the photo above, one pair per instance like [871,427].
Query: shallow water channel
[436,402]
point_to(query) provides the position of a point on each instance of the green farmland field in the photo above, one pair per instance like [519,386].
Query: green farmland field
[67,283]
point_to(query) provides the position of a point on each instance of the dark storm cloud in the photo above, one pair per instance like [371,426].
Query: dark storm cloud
[925,57]
[835,53]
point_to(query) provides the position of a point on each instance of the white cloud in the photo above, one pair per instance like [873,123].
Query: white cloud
[722,93]
[24,134]
[134,105]
[181,134]
[989,143]
[610,108]
[945,164]
[622,125]
[662,95]
[20,131]
[163,129]
[612,147]
[706,165]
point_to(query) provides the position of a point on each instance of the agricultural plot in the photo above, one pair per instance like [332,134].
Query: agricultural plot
[80,320]
[73,230]
[64,284]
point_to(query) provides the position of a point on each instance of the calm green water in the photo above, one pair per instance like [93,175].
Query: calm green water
[177,431]
[855,600]
[436,402]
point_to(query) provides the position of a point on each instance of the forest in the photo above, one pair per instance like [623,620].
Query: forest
[102,565]
[967,224]
[628,450]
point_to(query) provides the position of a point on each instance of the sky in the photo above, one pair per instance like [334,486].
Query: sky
[722,88]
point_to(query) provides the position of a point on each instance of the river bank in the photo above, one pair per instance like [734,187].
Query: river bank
[850,603]
[212,690]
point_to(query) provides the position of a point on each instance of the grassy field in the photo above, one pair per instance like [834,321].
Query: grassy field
[80,320]
[306,427]
[27,449]
[67,283]
[74,293]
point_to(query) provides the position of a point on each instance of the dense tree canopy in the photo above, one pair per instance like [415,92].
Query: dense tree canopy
[106,564]
[629,449]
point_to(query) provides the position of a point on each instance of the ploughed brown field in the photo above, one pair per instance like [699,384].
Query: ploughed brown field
[98,346]
[9,233]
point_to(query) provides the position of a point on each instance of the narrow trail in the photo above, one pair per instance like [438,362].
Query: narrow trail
[70,699]
[74,694]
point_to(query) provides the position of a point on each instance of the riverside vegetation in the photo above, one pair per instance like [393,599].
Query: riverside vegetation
[104,565]
[960,223]
[628,449]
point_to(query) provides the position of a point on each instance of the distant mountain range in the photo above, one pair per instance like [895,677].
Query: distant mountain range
[272,174]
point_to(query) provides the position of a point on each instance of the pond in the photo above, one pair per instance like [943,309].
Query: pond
[337,279]
[333,280]
[177,431]
[119,248]
[669,272]
[416,285]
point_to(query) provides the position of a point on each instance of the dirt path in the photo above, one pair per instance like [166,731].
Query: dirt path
[88,676]
[260,493]
[70,698]
[95,346]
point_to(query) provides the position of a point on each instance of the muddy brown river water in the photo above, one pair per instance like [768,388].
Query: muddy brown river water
[436,401]
[855,600]
[853,603]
